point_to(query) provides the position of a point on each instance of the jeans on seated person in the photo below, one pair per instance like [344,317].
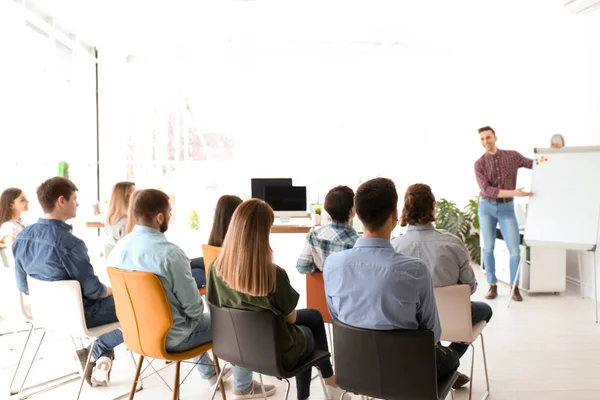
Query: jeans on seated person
[446,361]
[198,271]
[479,312]
[102,312]
[242,377]
[311,323]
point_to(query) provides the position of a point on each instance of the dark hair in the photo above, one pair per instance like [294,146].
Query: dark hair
[50,191]
[375,200]
[486,128]
[226,205]
[339,202]
[7,199]
[418,207]
[148,204]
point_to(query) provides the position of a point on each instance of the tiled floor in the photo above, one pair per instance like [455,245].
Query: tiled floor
[547,347]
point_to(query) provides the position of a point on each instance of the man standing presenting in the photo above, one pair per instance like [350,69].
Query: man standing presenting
[496,173]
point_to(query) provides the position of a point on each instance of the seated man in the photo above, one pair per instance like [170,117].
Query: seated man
[336,236]
[373,287]
[147,249]
[48,251]
[445,255]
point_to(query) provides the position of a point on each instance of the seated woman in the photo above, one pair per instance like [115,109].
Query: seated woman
[223,213]
[245,277]
[445,255]
[12,203]
[116,216]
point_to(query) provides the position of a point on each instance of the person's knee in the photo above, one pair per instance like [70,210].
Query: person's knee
[314,316]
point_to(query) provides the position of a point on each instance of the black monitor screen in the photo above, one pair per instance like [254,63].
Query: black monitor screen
[286,198]
[258,185]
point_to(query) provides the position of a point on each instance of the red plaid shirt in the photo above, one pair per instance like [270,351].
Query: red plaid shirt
[499,171]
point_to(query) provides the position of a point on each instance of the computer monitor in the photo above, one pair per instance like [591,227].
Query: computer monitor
[286,201]
[259,184]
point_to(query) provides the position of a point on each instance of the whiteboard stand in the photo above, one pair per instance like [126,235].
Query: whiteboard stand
[595,285]
[581,291]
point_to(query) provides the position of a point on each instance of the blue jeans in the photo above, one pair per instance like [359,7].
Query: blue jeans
[479,312]
[242,377]
[102,312]
[490,214]
[198,272]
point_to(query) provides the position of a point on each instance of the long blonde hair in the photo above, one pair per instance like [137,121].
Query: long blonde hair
[130,217]
[246,260]
[119,201]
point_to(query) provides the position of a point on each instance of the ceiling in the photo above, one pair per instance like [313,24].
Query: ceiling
[140,27]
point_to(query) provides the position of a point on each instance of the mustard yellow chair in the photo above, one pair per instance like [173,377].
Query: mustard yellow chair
[210,254]
[145,316]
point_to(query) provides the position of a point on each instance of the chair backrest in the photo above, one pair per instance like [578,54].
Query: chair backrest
[247,339]
[454,309]
[315,294]
[391,365]
[58,306]
[210,254]
[143,310]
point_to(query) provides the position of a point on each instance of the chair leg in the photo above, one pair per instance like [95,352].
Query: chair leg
[32,360]
[20,360]
[136,377]
[218,371]
[218,381]
[287,389]
[176,382]
[87,363]
[323,384]
[262,385]
[472,365]
[487,380]
[343,393]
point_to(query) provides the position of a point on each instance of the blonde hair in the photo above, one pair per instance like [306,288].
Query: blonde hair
[130,217]
[119,201]
[246,261]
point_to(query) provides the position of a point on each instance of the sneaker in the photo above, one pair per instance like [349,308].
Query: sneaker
[254,391]
[335,393]
[101,375]
[461,381]
[226,375]
[82,357]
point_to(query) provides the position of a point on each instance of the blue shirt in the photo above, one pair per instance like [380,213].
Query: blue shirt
[323,241]
[373,287]
[48,251]
[148,250]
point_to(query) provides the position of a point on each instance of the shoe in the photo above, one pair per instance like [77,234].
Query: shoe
[461,381]
[101,375]
[492,292]
[334,393]
[254,391]
[226,375]
[82,357]
[516,295]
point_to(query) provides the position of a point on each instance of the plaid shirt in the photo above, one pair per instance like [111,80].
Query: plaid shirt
[322,242]
[499,171]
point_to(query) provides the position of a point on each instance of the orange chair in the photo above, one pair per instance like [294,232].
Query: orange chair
[210,254]
[145,316]
[315,295]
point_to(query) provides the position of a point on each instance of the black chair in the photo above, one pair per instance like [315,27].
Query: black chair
[249,339]
[390,365]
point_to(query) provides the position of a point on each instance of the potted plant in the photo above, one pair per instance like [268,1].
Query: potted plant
[316,217]
[193,220]
[462,223]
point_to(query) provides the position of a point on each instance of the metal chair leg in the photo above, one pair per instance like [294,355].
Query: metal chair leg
[87,363]
[323,383]
[32,360]
[212,397]
[487,380]
[19,363]
[287,389]
[472,365]
[218,371]
[176,381]
[136,378]
[262,385]
[343,393]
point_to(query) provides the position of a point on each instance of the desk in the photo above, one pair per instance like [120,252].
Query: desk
[279,228]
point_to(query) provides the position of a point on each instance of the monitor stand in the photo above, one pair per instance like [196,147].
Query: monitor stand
[284,220]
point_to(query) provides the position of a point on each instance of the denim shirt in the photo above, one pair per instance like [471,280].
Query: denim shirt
[48,251]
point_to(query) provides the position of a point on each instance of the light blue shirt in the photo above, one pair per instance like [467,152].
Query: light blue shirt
[146,249]
[373,287]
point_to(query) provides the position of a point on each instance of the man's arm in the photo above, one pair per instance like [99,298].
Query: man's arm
[306,264]
[466,275]
[77,263]
[326,278]
[427,314]
[492,192]
[184,285]
[525,162]
[21,276]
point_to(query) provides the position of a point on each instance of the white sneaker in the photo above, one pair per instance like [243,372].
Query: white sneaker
[101,374]
[334,393]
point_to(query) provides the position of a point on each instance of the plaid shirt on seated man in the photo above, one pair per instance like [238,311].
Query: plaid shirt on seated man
[322,242]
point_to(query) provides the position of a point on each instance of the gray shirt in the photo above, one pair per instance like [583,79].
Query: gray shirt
[445,255]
